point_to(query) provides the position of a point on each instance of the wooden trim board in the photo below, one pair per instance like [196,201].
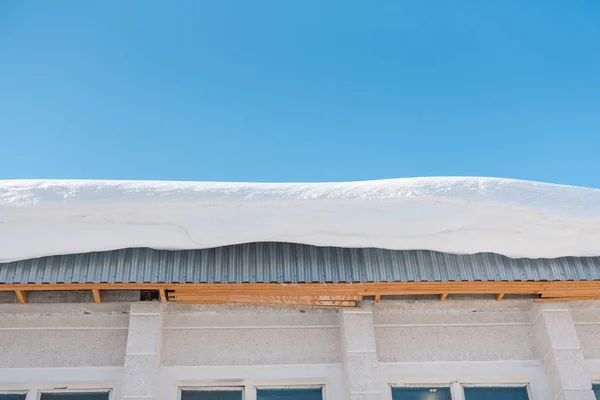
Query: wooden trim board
[323,294]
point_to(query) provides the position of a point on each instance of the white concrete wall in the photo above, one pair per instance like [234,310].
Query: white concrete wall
[463,330]
[225,335]
[456,342]
[63,335]
[586,317]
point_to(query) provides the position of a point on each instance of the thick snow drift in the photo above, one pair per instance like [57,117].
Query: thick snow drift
[455,215]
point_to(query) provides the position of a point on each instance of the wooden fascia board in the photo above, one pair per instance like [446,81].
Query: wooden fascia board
[220,292]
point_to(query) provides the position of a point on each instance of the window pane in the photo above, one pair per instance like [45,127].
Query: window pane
[289,394]
[12,396]
[75,396]
[496,393]
[211,395]
[421,393]
[596,389]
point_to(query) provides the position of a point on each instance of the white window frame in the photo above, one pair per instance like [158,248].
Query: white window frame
[472,373]
[229,388]
[250,390]
[421,385]
[497,385]
[457,391]
[327,376]
[279,387]
[35,380]
[40,392]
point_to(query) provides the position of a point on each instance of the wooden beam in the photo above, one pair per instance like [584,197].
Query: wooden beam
[370,288]
[377,298]
[571,293]
[572,298]
[201,297]
[284,301]
[21,296]
[326,293]
[97,296]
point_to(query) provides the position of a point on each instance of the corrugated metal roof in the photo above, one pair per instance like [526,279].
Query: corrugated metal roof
[286,262]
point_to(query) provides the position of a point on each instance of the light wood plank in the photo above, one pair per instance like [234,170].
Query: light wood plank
[97,296]
[573,298]
[329,291]
[21,296]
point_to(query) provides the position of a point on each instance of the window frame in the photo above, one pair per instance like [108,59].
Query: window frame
[421,385]
[256,388]
[250,391]
[40,392]
[527,387]
[457,388]
[208,388]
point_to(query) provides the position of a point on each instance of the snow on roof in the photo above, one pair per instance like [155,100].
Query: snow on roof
[453,215]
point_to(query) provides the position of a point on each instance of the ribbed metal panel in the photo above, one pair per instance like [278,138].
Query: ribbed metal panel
[285,262]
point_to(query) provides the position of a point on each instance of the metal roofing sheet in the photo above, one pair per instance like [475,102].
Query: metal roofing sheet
[287,262]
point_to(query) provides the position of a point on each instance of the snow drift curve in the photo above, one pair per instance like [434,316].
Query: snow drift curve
[454,215]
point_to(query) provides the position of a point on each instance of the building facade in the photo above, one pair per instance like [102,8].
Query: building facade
[383,342]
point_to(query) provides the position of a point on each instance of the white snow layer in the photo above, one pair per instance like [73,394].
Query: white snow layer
[455,215]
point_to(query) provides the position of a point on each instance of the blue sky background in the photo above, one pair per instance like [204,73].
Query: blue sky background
[300,90]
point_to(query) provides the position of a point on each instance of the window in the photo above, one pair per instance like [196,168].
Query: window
[596,389]
[290,394]
[212,394]
[75,396]
[496,393]
[12,396]
[236,393]
[421,393]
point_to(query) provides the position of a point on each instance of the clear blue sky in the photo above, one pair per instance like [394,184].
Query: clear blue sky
[305,90]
